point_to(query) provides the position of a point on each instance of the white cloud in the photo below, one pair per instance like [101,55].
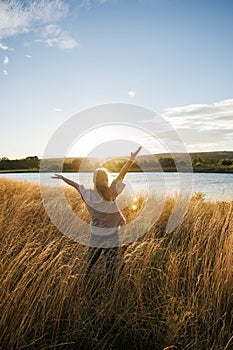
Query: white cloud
[5,47]
[6,60]
[18,17]
[53,35]
[204,110]
[58,110]
[200,146]
[88,3]
[5,72]
[85,4]
[132,93]
[229,136]
[28,56]
[105,1]
[203,126]
[218,115]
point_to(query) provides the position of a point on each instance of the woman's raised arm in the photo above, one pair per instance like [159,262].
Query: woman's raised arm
[128,165]
[68,181]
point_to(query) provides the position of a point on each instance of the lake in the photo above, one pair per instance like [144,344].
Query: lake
[217,187]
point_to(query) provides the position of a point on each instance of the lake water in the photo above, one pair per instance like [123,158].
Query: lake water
[216,187]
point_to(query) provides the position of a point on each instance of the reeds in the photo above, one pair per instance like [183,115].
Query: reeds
[172,291]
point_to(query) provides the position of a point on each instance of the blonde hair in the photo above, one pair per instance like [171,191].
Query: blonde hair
[101,183]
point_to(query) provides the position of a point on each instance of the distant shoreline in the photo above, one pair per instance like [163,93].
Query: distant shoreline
[171,170]
[201,162]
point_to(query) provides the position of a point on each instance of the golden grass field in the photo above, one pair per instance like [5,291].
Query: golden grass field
[172,291]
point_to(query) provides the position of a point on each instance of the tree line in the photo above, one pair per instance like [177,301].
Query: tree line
[144,163]
[28,163]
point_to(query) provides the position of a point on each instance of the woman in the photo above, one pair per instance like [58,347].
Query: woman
[106,218]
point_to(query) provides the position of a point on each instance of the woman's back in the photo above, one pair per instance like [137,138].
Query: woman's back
[105,215]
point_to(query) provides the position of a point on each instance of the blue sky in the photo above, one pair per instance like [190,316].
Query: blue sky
[59,57]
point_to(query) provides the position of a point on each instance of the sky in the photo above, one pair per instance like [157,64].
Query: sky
[60,57]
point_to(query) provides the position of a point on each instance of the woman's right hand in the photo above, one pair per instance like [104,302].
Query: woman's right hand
[134,154]
[57,176]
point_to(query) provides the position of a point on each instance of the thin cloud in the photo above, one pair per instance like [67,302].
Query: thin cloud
[5,47]
[229,136]
[5,72]
[102,2]
[217,115]
[28,56]
[85,4]
[17,18]
[88,3]
[202,125]
[204,110]
[53,35]
[6,60]
[58,110]
[132,93]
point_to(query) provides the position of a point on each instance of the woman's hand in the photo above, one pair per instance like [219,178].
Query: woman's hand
[68,181]
[57,176]
[134,154]
[128,165]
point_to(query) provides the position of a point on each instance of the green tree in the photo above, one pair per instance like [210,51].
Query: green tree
[167,162]
[4,163]
[225,161]
[197,161]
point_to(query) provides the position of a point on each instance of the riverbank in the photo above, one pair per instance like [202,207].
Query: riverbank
[214,170]
[15,171]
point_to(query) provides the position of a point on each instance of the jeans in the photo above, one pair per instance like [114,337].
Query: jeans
[109,246]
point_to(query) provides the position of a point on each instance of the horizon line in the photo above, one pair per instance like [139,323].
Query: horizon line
[119,156]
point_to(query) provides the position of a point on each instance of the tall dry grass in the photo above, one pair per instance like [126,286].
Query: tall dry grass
[172,291]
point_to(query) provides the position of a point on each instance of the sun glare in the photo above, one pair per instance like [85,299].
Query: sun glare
[108,141]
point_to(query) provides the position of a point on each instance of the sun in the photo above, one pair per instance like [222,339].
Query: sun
[107,141]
